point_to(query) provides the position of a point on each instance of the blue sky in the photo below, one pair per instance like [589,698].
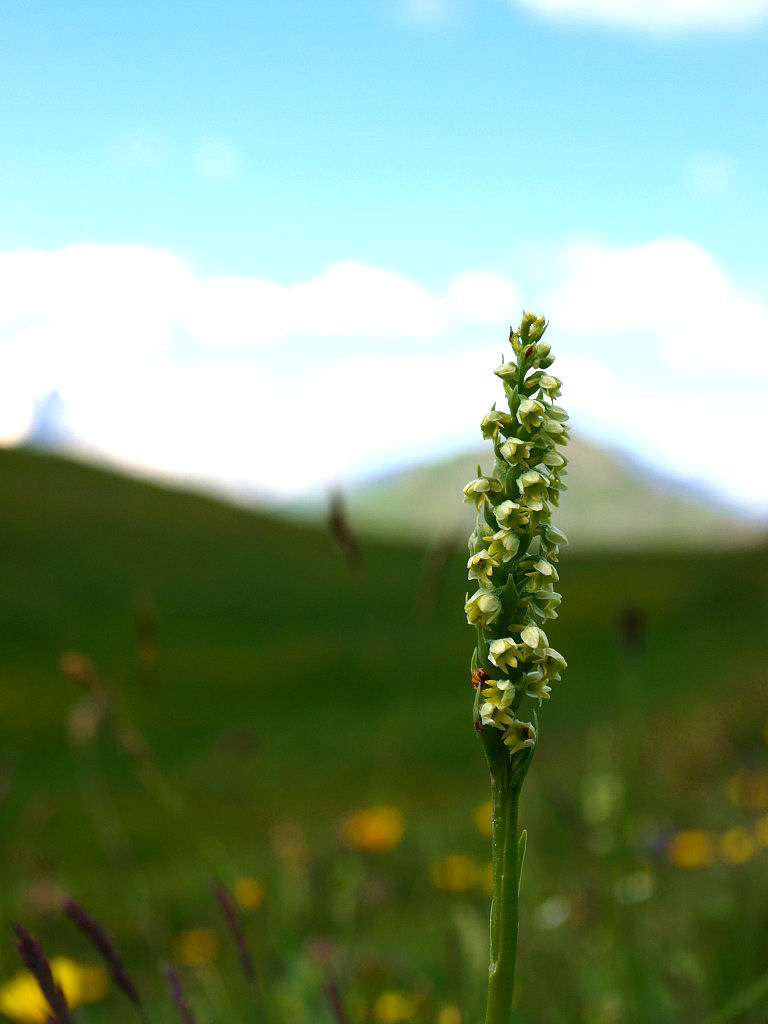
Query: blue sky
[183,183]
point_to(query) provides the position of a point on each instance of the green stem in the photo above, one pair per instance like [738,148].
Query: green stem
[506,884]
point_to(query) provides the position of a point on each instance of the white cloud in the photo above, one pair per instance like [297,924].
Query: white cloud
[95,296]
[691,434]
[483,297]
[348,300]
[157,363]
[669,291]
[656,15]
[186,375]
[352,299]
[247,428]
[669,358]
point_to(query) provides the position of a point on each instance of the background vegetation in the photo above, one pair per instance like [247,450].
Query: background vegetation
[260,688]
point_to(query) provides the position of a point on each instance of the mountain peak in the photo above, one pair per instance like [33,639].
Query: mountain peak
[51,427]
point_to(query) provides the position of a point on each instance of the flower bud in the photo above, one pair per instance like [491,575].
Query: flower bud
[534,637]
[507,371]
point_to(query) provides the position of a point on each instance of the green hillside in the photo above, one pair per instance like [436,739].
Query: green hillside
[609,504]
[262,628]
[277,684]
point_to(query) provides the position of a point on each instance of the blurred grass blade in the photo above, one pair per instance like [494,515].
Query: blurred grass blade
[745,1000]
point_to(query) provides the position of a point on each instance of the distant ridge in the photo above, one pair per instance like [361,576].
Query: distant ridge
[611,502]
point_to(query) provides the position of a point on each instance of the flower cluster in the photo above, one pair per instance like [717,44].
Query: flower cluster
[513,550]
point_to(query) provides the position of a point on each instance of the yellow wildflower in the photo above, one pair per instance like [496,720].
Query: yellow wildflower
[455,873]
[761,830]
[448,1015]
[749,790]
[249,893]
[691,849]
[22,1000]
[196,947]
[373,829]
[394,1007]
[737,846]
[482,818]
[486,878]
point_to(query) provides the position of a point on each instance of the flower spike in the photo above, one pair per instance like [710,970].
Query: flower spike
[513,559]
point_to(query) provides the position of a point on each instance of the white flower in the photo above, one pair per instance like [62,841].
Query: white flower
[530,413]
[533,489]
[509,513]
[504,654]
[545,602]
[534,637]
[504,543]
[551,385]
[543,572]
[519,735]
[494,422]
[535,683]
[478,490]
[515,451]
[481,565]
[482,608]
[551,662]
[507,371]
[498,695]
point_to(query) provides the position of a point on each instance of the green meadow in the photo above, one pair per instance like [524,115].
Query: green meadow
[257,687]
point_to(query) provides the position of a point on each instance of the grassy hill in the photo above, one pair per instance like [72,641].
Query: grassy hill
[263,629]
[277,684]
[610,503]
